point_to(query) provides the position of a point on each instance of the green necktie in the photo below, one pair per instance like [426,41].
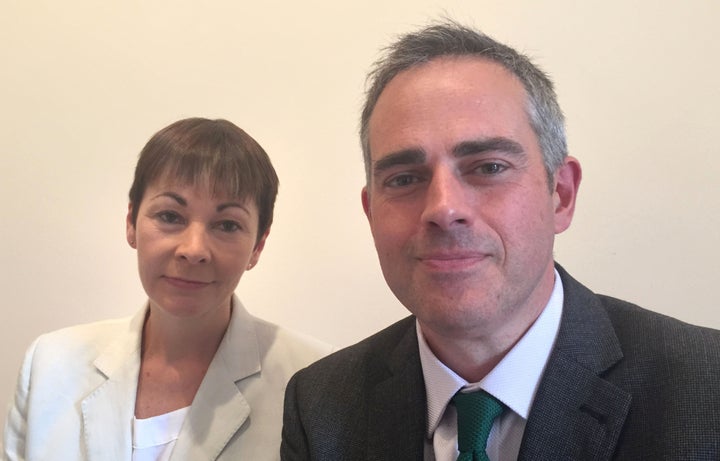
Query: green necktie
[476,412]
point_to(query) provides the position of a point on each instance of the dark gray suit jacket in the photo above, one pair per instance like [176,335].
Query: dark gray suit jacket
[621,383]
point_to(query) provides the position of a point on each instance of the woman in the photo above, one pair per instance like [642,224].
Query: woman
[192,376]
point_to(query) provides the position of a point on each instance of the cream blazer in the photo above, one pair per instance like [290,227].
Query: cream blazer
[75,396]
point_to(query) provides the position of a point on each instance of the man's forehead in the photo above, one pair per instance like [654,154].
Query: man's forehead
[448,94]
[470,79]
[438,71]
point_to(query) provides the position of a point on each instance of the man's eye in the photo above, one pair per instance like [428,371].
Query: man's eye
[169,217]
[402,180]
[491,168]
[229,226]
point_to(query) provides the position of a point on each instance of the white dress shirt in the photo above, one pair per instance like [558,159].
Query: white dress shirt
[513,381]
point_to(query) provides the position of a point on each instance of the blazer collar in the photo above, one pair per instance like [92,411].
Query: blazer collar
[107,412]
[577,414]
[219,408]
[397,413]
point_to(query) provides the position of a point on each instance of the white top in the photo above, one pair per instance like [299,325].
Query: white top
[513,381]
[154,438]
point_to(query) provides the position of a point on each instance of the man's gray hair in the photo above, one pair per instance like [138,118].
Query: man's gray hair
[449,38]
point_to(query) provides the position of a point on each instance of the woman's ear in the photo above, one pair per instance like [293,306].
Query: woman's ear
[255,257]
[130,232]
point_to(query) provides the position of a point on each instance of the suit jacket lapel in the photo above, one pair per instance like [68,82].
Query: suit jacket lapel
[108,411]
[577,414]
[219,408]
[397,414]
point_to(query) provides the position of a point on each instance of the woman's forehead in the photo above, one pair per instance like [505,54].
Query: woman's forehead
[203,184]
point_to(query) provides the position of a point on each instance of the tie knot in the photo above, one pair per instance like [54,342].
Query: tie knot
[476,412]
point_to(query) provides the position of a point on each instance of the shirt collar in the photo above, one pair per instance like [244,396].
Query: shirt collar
[513,381]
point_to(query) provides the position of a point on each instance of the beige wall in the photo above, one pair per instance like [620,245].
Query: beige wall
[83,84]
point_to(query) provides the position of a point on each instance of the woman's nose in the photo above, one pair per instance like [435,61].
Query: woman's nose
[193,246]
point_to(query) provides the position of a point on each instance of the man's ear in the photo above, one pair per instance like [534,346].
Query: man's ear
[365,198]
[130,232]
[567,183]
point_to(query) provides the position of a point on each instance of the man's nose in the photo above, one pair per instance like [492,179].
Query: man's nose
[446,201]
[193,246]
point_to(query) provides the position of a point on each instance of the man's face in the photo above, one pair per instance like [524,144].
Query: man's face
[459,203]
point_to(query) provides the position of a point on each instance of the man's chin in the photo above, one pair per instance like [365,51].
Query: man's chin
[454,318]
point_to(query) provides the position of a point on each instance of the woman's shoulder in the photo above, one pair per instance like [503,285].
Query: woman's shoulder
[279,344]
[285,349]
[78,344]
[83,335]
[279,337]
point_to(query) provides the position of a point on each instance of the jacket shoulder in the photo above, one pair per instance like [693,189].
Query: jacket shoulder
[671,369]
[651,332]
[79,343]
[359,359]
[332,407]
[285,348]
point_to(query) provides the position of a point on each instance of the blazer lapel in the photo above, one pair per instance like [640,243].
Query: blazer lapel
[108,411]
[578,415]
[396,419]
[219,409]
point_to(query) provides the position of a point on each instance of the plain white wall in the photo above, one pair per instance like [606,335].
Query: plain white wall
[84,84]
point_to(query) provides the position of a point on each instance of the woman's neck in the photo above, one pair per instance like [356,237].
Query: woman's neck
[172,338]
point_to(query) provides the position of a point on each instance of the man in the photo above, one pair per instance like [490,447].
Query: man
[468,181]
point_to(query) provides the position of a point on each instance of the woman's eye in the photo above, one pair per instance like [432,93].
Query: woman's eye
[229,226]
[169,217]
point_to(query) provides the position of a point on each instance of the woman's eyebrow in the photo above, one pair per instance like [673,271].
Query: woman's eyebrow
[226,205]
[177,197]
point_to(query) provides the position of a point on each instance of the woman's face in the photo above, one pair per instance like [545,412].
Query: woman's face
[193,247]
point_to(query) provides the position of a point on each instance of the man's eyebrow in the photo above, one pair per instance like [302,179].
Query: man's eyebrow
[479,146]
[403,157]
